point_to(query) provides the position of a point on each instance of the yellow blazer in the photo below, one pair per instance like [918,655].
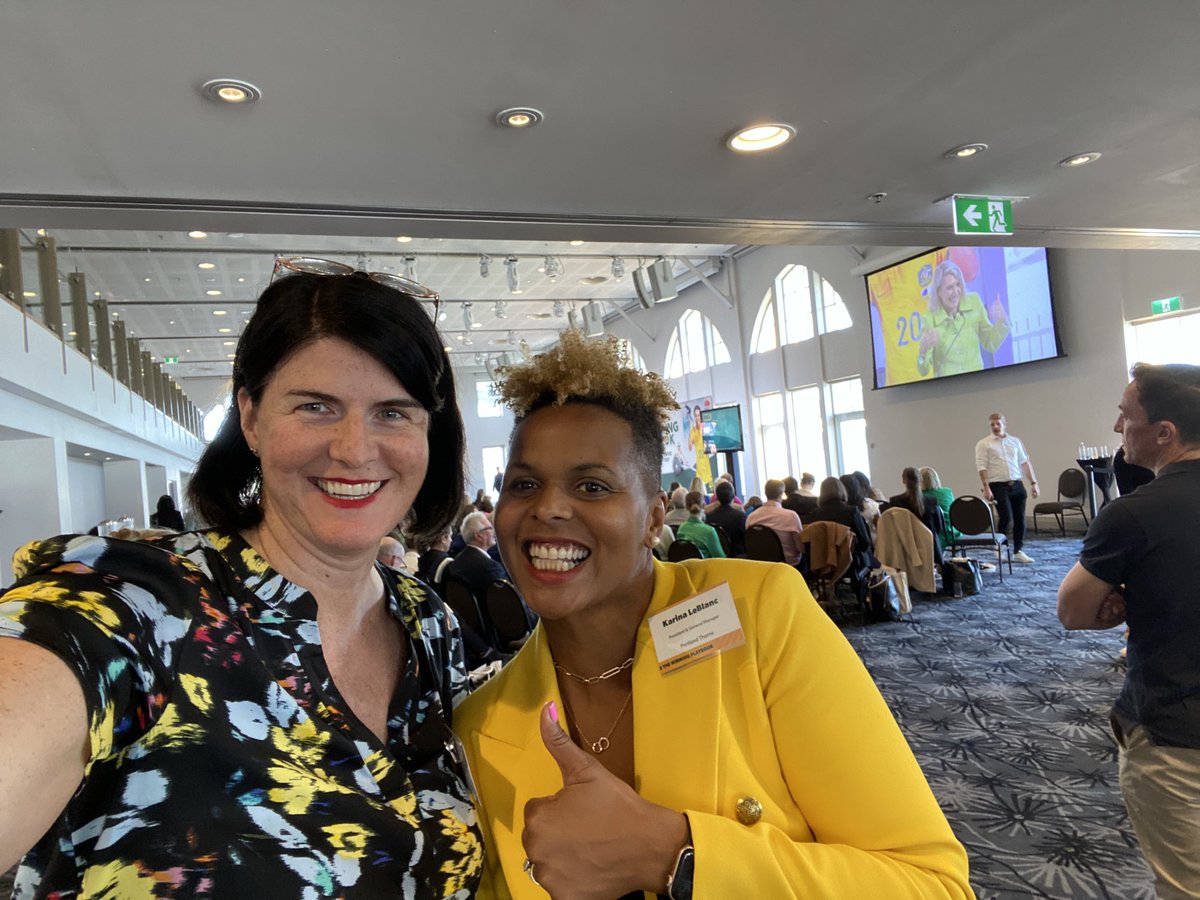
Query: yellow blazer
[790,718]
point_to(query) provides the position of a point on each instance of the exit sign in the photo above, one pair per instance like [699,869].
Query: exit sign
[170,359]
[1170,304]
[982,215]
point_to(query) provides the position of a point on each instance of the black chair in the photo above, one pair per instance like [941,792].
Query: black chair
[973,520]
[1072,492]
[823,579]
[459,598]
[723,537]
[762,543]
[681,550]
[510,616]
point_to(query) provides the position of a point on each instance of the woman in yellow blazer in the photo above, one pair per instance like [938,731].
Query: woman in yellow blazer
[772,768]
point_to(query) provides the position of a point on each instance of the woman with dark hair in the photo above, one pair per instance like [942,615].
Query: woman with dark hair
[259,706]
[738,775]
[914,501]
[869,498]
[166,515]
[836,503]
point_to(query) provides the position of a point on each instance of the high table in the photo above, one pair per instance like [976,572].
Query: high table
[1100,475]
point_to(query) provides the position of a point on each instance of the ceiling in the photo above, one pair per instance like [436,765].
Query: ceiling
[377,120]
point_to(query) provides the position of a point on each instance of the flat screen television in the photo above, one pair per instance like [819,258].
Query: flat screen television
[722,428]
[956,310]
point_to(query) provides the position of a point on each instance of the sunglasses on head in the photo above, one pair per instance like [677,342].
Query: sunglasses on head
[314,265]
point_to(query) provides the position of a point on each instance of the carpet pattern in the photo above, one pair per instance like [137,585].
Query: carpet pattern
[1008,715]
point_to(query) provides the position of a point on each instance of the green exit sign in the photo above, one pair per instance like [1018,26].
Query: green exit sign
[1170,304]
[982,215]
[170,359]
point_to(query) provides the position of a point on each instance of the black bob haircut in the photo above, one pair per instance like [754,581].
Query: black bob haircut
[382,322]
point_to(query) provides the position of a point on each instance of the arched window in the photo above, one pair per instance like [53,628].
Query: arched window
[799,305]
[630,355]
[695,345]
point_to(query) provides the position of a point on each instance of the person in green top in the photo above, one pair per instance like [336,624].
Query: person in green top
[695,530]
[957,326]
[933,492]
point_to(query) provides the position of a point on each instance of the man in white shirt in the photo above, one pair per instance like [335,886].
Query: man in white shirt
[1002,461]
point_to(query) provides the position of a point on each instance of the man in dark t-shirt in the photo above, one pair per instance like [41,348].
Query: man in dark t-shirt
[731,518]
[1138,565]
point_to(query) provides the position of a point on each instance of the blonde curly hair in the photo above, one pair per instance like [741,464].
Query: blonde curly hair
[599,373]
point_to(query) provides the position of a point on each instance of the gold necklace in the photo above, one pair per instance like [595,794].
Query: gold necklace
[603,676]
[601,744]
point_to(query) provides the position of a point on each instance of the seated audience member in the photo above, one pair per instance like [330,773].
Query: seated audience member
[808,484]
[473,565]
[783,522]
[796,500]
[913,500]
[464,510]
[485,505]
[167,516]
[480,495]
[678,513]
[935,492]
[868,490]
[675,485]
[832,507]
[435,556]
[713,502]
[752,503]
[391,554]
[729,516]
[697,531]
[867,507]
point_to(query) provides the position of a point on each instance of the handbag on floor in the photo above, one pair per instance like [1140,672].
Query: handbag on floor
[962,573]
[887,595]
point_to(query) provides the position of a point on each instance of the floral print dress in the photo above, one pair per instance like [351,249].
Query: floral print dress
[223,761]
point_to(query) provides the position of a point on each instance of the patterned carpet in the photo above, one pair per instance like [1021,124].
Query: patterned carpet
[1008,715]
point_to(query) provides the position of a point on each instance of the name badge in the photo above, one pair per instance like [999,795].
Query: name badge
[696,628]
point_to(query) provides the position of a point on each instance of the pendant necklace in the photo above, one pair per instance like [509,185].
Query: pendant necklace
[601,744]
[603,676]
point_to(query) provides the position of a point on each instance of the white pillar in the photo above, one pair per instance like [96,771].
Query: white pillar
[34,495]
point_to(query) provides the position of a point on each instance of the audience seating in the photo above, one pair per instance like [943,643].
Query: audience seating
[510,616]
[977,528]
[829,559]
[681,550]
[762,543]
[1072,491]
[723,537]
[459,598]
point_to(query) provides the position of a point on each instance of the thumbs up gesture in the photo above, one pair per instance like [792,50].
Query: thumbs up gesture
[596,838]
[998,313]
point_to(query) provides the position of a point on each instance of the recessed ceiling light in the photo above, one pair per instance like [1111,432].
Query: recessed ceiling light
[404,239]
[519,117]
[220,312]
[41,232]
[29,293]
[197,234]
[206,265]
[1079,159]
[236,234]
[964,151]
[229,355]
[224,331]
[594,279]
[241,281]
[576,243]
[188,350]
[230,90]
[213,292]
[539,315]
[447,348]
[71,334]
[147,280]
[760,137]
[87,453]
[172,322]
[227,343]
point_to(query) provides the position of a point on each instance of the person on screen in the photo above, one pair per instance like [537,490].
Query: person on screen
[696,440]
[957,328]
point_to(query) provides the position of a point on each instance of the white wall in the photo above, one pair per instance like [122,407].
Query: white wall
[33,495]
[86,483]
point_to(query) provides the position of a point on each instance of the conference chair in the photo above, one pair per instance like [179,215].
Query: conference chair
[1072,492]
[723,537]
[762,543]
[459,598]
[681,550]
[510,616]
[829,552]
[972,518]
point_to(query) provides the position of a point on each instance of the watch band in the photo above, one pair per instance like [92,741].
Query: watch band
[679,884]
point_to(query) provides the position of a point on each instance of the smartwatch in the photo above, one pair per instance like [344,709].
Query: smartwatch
[679,885]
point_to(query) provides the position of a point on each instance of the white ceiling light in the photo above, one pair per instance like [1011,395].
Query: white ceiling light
[230,90]
[206,265]
[593,279]
[404,239]
[1079,159]
[485,265]
[514,277]
[224,331]
[219,312]
[757,138]
[576,243]
[965,151]
[213,292]
[198,235]
[227,343]
[618,267]
[519,117]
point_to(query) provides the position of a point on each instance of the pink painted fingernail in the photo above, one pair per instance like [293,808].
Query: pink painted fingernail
[554,711]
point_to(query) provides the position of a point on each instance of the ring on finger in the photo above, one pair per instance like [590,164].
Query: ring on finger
[527,866]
